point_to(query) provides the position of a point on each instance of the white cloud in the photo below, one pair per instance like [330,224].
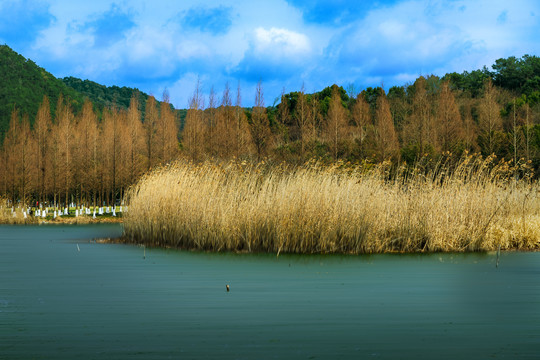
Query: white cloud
[270,40]
[189,49]
[281,41]
[395,42]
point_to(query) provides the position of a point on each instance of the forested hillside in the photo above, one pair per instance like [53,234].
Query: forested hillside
[24,84]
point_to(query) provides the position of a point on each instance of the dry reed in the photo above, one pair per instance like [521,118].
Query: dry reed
[475,205]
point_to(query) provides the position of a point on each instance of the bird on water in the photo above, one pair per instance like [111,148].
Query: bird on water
[227,286]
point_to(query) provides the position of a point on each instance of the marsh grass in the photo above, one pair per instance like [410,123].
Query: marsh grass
[474,205]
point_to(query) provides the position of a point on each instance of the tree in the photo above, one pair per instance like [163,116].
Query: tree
[527,131]
[210,124]
[449,121]
[193,134]
[112,154]
[20,147]
[64,131]
[386,139]
[470,132]
[3,173]
[282,125]
[42,128]
[399,106]
[361,119]
[150,129]
[167,130]
[489,118]
[260,128]
[85,152]
[304,121]
[225,125]
[315,121]
[53,159]
[27,171]
[243,141]
[133,142]
[11,157]
[420,130]
[336,122]
[522,75]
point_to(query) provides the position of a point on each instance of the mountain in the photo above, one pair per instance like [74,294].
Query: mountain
[24,84]
[105,96]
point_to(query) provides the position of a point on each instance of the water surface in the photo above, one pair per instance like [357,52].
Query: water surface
[64,296]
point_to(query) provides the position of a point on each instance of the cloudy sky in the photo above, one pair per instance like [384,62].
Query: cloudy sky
[166,44]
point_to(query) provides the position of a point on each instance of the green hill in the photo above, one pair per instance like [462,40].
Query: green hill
[24,83]
[105,96]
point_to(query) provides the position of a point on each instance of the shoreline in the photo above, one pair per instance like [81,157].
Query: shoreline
[123,240]
[64,221]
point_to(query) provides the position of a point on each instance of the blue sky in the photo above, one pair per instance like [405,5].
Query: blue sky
[164,44]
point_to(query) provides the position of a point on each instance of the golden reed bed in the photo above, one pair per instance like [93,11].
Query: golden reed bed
[475,205]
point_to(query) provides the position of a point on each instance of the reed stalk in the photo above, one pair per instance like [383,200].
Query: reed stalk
[474,205]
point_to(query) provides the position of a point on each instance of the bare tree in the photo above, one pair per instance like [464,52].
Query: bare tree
[210,115]
[527,132]
[420,128]
[243,141]
[470,131]
[361,119]
[151,118]
[133,142]
[489,118]
[84,152]
[65,135]
[167,131]
[112,154]
[282,124]
[304,121]
[42,128]
[225,125]
[19,148]
[386,138]
[336,122]
[260,128]
[193,133]
[451,132]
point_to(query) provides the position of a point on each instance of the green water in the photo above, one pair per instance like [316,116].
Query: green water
[63,296]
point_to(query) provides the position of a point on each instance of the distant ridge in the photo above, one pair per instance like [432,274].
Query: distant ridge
[24,83]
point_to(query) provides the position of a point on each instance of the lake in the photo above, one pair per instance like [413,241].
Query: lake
[65,296]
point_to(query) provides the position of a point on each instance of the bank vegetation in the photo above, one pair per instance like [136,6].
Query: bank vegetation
[473,204]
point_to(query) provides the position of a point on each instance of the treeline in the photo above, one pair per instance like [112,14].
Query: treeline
[80,159]
[490,112]
[67,156]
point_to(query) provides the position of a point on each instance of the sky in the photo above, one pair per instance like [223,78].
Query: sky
[171,45]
